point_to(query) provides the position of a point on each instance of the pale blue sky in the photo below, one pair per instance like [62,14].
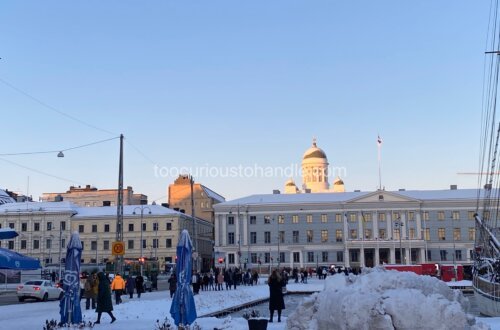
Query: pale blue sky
[229,83]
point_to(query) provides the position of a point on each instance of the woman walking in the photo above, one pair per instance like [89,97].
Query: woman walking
[130,286]
[104,304]
[276,301]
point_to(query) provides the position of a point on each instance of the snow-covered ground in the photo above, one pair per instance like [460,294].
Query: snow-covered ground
[137,314]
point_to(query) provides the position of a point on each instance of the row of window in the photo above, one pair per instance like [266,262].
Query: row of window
[36,226]
[93,244]
[353,217]
[353,234]
[94,229]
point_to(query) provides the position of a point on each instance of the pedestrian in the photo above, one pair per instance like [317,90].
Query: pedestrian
[139,285]
[90,290]
[220,281]
[172,285]
[130,286]
[276,301]
[104,304]
[118,285]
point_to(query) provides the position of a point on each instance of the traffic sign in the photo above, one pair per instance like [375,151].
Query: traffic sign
[118,248]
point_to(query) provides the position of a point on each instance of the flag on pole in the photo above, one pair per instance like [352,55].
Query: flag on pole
[379,141]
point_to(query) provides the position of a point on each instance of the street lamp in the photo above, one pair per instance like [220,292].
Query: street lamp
[279,239]
[142,208]
[399,224]
[239,233]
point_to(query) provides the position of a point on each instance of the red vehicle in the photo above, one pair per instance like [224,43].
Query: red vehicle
[417,269]
[451,272]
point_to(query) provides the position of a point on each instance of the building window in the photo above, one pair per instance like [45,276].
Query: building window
[106,228]
[354,234]
[295,219]
[340,256]
[352,217]
[267,257]
[324,256]
[281,219]
[338,217]
[93,245]
[36,226]
[324,218]
[324,236]
[11,245]
[396,215]
[230,238]
[309,235]
[130,227]
[309,218]
[94,228]
[230,220]
[155,243]
[36,244]
[281,236]
[253,237]
[425,215]
[130,244]
[412,233]
[267,219]
[455,215]
[354,256]
[310,256]
[295,236]
[427,234]
[458,255]
[267,237]
[381,234]
[23,244]
[457,234]
[471,215]
[144,245]
[81,228]
[144,226]
[486,215]
[367,217]
[168,242]
[253,258]
[443,254]
[472,234]
[63,243]
[339,235]
[49,226]
[381,217]
[282,257]
[230,257]
[48,244]
[24,226]
[105,245]
[296,257]
[169,226]
[155,226]
[411,216]
[441,234]
[440,215]
[253,220]
[397,234]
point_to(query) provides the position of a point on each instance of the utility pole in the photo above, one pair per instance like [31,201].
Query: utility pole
[195,245]
[119,210]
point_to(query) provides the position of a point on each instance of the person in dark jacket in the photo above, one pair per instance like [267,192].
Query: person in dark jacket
[139,285]
[172,285]
[104,303]
[276,301]
[91,290]
[130,286]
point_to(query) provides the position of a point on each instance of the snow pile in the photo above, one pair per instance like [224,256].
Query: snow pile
[382,299]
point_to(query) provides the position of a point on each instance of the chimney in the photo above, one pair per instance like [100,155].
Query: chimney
[176,209]
[453,187]
[106,203]
[58,198]
[402,189]
[276,192]
[165,205]
[182,211]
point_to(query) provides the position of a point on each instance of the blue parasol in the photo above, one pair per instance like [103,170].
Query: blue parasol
[8,233]
[70,310]
[13,260]
[183,309]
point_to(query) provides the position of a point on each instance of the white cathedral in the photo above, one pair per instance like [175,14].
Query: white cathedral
[314,174]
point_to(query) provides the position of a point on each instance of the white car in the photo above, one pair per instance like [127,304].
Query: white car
[42,290]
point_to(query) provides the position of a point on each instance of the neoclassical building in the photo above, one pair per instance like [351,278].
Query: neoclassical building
[354,229]
[315,173]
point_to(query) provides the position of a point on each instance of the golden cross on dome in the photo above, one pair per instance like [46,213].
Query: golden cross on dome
[314,141]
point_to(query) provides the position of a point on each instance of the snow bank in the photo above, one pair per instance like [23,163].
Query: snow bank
[384,299]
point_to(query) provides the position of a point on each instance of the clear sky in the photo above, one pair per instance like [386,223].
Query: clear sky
[218,83]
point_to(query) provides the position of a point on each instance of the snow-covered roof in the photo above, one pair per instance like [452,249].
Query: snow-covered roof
[38,207]
[5,198]
[212,194]
[339,197]
[128,210]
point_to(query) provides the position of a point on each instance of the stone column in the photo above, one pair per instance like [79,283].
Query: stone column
[392,255]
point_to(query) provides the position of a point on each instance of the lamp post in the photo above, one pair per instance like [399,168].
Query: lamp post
[142,208]
[399,224]
[239,232]
[279,241]
[60,251]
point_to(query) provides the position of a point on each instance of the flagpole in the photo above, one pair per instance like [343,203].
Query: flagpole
[379,145]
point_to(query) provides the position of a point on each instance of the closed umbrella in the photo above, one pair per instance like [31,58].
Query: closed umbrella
[183,309]
[70,310]
[8,233]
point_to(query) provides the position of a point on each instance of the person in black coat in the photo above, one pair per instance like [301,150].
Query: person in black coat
[276,301]
[172,284]
[139,285]
[104,303]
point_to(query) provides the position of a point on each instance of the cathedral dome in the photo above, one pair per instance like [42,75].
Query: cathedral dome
[290,183]
[314,152]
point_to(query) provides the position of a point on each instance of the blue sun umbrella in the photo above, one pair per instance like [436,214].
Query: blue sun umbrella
[70,310]
[8,233]
[183,309]
[13,260]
